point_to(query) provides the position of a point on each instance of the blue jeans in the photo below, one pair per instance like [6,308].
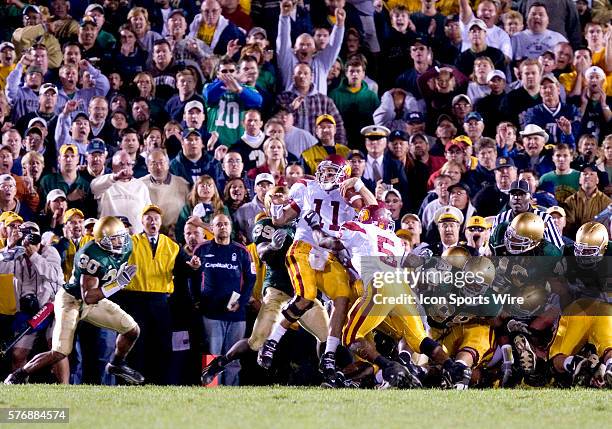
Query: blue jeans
[219,337]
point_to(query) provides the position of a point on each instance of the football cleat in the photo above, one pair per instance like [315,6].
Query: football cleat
[527,357]
[396,375]
[417,373]
[265,356]
[17,377]
[608,375]
[583,369]
[123,371]
[456,376]
[213,369]
[327,367]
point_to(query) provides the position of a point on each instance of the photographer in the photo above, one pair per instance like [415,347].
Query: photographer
[38,274]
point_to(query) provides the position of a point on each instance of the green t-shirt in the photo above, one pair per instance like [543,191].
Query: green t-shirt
[226,118]
[91,259]
[565,185]
[277,275]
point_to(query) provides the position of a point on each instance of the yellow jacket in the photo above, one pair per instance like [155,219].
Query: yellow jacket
[68,256]
[154,274]
[317,153]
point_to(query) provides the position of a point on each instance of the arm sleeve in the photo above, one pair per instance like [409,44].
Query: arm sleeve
[62,129]
[102,85]
[100,184]
[249,273]
[13,82]
[213,92]
[251,98]
[385,113]
[283,48]
[340,131]
[552,234]
[328,55]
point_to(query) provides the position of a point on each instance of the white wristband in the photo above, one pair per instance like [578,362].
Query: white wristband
[358,185]
[276,210]
[111,289]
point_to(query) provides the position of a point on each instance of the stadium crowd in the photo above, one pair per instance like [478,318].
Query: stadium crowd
[186,120]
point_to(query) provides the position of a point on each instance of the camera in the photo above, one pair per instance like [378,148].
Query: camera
[30,235]
[29,304]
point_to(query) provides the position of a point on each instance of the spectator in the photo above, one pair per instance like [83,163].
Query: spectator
[167,191]
[565,20]
[8,199]
[235,194]
[47,109]
[297,139]
[589,201]
[477,232]
[214,29]
[563,179]
[560,220]
[119,193]
[26,192]
[70,237]
[250,145]
[69,79]
[594,108]
[448,220]
[7,62]
[473,125]
[477,32]
[244,217]
[73,131]
[491,199]
[304,50]
[307,104]
[23,98]
[484,174]
[276,159]
[227,274]
[487,11]
[479,86]
[203,201]
[393,202]
[527,95]
[489,105]
[439,199]
[146,297]
[138,18]
[535,156]
[380,165]
[163,69]
[543,195]
[396,104]
[96,160]
[227,102]
[186,84]
[193,161]
[459,197]
[536,38]
[326,145]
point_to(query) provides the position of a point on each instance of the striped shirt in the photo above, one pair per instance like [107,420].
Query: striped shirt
[551,233]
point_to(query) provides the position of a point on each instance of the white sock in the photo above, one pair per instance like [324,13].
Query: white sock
[461,362]
[378,377]
[567,362]
[507,353]
[332,344]
[277,333]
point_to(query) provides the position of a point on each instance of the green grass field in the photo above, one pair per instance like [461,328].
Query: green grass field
[94,407]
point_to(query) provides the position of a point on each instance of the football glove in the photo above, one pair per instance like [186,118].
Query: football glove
[278,239]
[313,219]
[126,273]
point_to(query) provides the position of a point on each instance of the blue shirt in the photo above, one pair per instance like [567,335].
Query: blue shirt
[225,269]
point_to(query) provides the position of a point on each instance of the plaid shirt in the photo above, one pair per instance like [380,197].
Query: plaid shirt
[314,105]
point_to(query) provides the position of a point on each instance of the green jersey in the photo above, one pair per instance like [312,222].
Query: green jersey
[277,275]
[226,118]
[92,260]
[545,248]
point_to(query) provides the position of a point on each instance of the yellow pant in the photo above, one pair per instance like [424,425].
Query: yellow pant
[375,310]
[69,310]
[333,281]
[315,320]
[584,321]
[473,336]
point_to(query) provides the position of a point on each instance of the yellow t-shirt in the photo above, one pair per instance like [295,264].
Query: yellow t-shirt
[206,33]
[4,72]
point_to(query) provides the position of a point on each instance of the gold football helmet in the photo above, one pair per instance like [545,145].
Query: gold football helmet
[591,240]
[111,235]
[524,233]
[483,274]
[457,256]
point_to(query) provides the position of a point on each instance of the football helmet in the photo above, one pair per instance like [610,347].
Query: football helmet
[524,233]
[457,256]
[483,271]
[332,171]
[591,240]
[377,215]
[111,235]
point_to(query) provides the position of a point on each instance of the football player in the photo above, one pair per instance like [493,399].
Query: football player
[272,244]
[526,269]
[375,249]
[588,318]
[100,270]
[464,330]
[321,206]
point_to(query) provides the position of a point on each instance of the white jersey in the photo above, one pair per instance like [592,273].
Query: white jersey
[371,248]
[308,195]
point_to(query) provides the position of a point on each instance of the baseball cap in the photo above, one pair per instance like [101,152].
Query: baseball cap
[175,11]
[5,177]
[533,129]
[478,23]
[589,166]
[448,214]
[495,73]
[96,145]
[422,40]
[6,214]
[96,6]
[556,209]
[81,115]
[12,217]
[71,212]
[411,216]
[7,45]
[460,97]
[404,234]
[325,117]
[65,147]
[34,69]
[152,207]
[375,131]
[189,131]
[416,136]
[88,20]
[355,152]
[398,135]
[264,177]
[587,72]
[549,76]
[125,221]
[257,30]
[477,221]
[89,221]
[35,130]
[37,120]
[46,87]
[29,8]
[520,185]
[415,118]
[444,117]
[391,191]
[55,194]
[473,115]
[194,104]
[461,185]
[504,161]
